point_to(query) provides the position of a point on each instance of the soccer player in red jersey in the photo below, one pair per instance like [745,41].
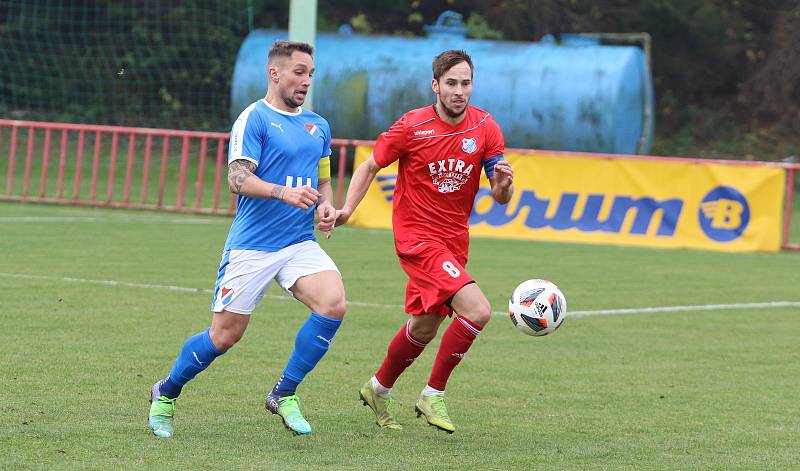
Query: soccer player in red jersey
[441,150]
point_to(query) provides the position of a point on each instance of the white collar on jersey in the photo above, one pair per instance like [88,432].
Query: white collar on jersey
[287,113]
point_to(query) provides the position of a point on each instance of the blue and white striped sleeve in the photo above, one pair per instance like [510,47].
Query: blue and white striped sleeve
[248,136]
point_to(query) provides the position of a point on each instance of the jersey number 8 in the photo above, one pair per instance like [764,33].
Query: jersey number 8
[451,269]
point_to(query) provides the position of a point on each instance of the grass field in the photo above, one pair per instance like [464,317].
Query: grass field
[712,389]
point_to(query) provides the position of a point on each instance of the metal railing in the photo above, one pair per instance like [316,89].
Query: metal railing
[175,162]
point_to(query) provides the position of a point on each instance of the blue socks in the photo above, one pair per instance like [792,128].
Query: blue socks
[310,345]
[197,353]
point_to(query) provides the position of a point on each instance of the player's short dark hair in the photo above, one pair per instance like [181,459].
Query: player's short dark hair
[286,48]
[446,60]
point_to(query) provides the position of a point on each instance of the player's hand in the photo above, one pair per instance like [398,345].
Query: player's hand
[302,197]
[504,174]
[342,216]
[327,217]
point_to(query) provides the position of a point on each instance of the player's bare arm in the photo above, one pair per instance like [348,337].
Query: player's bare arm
[238,171]
[242,181]
[359,184]
[326,213]
[502,182]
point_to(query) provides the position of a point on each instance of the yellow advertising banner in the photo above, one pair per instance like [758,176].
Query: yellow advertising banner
[649,203]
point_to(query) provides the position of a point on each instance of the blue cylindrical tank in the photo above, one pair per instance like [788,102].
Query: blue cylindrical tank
[574,95]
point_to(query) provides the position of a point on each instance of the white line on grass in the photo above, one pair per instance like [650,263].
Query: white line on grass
[85,281]
[151,219]
[701,307]
[161,287]
[639,310]
[127,219]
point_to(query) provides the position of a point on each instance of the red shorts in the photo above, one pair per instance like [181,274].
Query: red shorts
[435,272]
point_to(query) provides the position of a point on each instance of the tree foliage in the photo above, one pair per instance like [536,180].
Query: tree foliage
[147,63]
[715,62]
[772,89]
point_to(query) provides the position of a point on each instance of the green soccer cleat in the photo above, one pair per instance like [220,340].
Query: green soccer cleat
[435,412]
[383,407]
[288,408]
[162,411]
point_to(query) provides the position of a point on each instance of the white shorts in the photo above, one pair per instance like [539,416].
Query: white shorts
[245,275]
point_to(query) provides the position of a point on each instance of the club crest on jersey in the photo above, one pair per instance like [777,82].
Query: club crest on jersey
[449,175]
[311,128]
[469,145]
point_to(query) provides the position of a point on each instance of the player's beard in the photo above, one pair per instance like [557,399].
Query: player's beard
[451,112]
[291,102]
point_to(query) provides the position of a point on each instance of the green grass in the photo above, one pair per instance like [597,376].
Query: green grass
[688,390]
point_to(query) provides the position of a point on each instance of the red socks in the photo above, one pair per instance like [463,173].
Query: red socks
[403,350]
[455,342]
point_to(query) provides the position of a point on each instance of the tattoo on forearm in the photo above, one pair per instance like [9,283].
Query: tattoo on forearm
[238,171]
[277,192]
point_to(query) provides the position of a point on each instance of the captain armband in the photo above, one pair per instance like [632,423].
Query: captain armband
[325,168]
[488,165]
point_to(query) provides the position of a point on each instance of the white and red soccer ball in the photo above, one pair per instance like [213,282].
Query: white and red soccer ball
[537,307]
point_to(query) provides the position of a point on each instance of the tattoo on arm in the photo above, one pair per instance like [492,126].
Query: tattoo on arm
[277,192]
[238,171]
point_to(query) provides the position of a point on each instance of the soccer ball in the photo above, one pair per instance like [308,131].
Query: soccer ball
[537,307]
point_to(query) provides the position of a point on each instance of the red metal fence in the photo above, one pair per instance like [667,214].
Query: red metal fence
[89,157]
[168,160]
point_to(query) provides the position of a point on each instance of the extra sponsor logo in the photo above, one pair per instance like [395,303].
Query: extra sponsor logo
[724,214]
[449,175]
[424,132]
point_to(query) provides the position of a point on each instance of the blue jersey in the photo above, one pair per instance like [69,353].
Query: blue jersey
[286,148]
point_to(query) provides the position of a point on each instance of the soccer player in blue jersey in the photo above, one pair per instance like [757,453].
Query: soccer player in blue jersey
[279,165]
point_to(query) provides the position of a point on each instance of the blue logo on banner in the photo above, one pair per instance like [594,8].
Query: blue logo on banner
[641,211]
[387,183]
[724,214]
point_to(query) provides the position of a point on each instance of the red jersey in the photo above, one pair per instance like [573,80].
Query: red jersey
[439,170]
